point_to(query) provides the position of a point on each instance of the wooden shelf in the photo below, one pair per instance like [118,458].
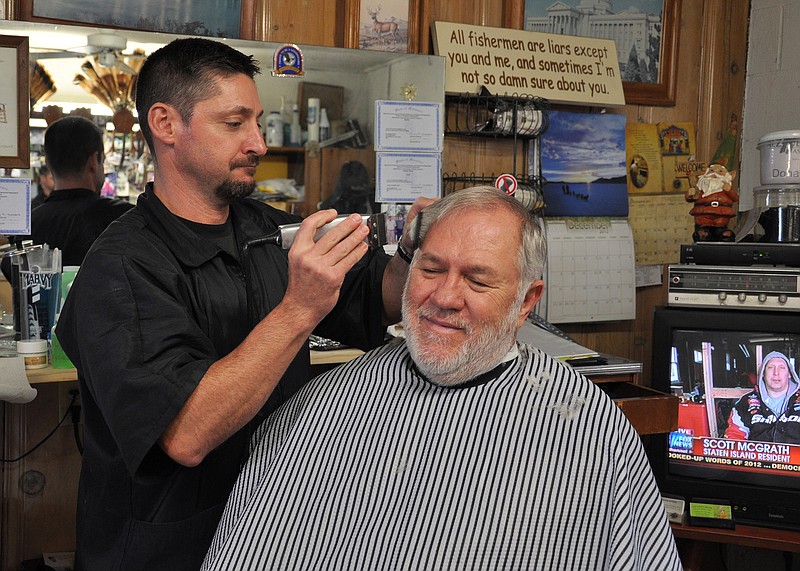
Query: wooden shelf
[286,150]
[649,411]
[748,536]
[51,375]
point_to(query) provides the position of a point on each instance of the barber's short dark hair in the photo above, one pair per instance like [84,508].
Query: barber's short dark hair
[68,144]
[184,72]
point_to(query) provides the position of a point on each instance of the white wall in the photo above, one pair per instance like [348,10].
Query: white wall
[772,87]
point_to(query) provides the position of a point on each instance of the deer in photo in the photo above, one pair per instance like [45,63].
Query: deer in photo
[382,27]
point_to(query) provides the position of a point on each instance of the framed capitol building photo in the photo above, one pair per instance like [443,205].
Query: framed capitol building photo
[645,32]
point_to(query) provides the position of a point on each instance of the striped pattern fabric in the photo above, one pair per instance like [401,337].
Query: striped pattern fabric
[371,466]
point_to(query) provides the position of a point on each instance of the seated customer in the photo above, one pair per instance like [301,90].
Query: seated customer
[74,214]
[457,448]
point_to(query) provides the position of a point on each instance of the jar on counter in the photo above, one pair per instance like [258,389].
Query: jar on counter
[34,352]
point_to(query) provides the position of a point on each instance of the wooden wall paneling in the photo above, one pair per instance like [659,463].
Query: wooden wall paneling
[422,43]
[350,22]
[415,29]
[722,69]
[479,156]
[259,27]
[249,22]
[313,184]
[514,14]
[13,519]
[315,22]
[9,9]
[710,86]
[647,299]
[477,12]
[44,521]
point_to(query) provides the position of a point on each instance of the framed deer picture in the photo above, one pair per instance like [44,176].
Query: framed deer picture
[384,25]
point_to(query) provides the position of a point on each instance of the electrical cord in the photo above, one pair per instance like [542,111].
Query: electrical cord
[46,438]
[75,411]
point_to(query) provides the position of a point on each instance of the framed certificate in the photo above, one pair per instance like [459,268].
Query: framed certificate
[408,126]
[404,177]
[14,103]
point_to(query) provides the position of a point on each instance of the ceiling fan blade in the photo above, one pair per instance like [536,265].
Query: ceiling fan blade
[55,55]
[121,65]
[85,50]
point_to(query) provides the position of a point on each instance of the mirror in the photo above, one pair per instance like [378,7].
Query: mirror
[351,80]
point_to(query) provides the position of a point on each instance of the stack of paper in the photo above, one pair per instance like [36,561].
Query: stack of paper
[557,346]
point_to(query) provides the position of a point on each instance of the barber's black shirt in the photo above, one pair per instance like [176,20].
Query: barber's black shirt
[72,219]
[154,305]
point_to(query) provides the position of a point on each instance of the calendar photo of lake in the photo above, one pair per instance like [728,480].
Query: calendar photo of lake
[583,163]
[220,18]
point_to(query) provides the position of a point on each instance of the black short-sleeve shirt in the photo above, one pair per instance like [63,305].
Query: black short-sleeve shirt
[153,306]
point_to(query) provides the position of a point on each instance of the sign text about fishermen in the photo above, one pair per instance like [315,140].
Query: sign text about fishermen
[563,69]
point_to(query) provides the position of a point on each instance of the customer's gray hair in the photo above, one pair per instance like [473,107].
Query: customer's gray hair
[533,247]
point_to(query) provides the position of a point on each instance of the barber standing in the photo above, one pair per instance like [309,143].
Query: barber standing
[181,345]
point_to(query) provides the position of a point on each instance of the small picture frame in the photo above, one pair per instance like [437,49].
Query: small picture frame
[395,221]
[14,103]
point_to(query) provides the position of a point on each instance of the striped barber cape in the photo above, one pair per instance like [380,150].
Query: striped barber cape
[372,466]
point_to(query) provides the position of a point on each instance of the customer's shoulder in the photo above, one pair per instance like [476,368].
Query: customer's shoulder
[556,375]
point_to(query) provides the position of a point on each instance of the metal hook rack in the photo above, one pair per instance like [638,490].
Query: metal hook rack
[520,118]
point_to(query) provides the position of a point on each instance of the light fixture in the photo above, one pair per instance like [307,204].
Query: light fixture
[111,79]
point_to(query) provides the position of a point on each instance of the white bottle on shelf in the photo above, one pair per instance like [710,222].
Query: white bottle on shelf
[313,119]
[296,133]
[324,125]
[274,135]
[287,121]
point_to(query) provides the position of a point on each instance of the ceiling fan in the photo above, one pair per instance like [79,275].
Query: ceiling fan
[107,47]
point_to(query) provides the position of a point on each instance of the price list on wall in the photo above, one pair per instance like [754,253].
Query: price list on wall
[590,273]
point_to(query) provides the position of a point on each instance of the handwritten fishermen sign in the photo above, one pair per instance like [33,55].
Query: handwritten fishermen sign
[562,69]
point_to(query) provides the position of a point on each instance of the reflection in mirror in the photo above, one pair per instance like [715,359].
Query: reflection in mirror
[93,69]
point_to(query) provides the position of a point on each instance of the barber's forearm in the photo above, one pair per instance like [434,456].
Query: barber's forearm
[235,388]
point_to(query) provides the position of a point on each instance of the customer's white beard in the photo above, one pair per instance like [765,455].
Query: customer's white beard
[477,355]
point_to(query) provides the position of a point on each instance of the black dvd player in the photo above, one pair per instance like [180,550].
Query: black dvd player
[741,254]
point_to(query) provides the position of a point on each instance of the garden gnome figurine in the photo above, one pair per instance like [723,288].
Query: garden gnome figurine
[714,195]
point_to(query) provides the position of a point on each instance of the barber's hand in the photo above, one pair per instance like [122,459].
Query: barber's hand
[409,242]
[317,269]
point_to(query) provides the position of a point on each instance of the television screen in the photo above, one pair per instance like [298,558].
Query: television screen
[738,433]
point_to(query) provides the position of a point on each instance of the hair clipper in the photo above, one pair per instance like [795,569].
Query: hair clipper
[375,222]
